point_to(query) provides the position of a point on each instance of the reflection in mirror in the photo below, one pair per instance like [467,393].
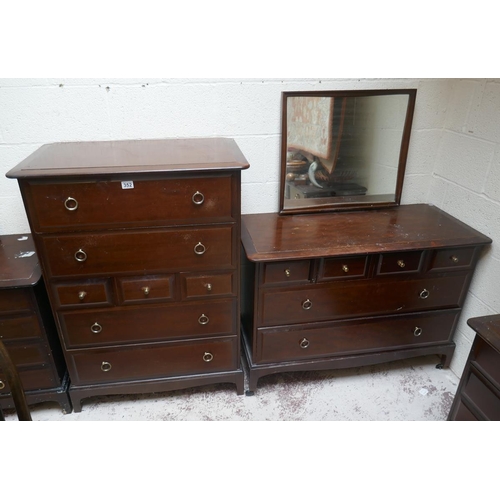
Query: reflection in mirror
[344,149]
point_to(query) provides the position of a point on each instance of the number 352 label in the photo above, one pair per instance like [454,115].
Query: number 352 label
[127,184]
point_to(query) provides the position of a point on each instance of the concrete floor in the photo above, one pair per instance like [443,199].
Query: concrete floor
[409,390]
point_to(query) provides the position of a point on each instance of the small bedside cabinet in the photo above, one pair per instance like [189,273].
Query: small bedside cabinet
[27,327]
[478,394]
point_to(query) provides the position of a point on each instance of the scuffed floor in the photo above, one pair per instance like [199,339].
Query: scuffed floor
[409,390]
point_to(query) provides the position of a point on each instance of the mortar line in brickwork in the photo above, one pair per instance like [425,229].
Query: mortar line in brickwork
[481,195]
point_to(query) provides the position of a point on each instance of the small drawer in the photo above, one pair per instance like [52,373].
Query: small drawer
[144,289]
[343,268]
[84,293]
[287,271]
[484,398]
[87,205]
[32,379]
[15,300]
[400,262]
[122,325]
[19,328]
[153,361]
[487,359]
[452,258]
[207,285]
[28,353]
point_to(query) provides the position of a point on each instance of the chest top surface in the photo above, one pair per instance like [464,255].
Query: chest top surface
[18,261]
[488,327]
[276,237]
[135,156]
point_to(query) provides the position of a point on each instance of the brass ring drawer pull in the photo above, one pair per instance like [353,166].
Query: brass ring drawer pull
[198,198]
[71,204]
[200,248]
[203,320]
[417,331]
[401,263]
[96,328]
[146,290]
[82,295]
[80,255]
[307,304]
[304,343]
[105,366]
[2,385]
[424,294]
[207,357]
[454,259]
[345,268]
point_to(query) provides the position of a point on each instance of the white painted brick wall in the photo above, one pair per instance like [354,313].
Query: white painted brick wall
[453,160]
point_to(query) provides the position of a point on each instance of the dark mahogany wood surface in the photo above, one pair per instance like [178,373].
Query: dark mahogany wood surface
[488,327]
[271,236]
[155,155]
[18,261]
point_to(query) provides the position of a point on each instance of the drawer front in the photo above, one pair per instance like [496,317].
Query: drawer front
[360,298]
[32,379]
[463,414]
[344,267]
[400,262]
[15,300]
[287,271]
[343,337]
[28,353]
[148,323]
[144,289]
[484,398]
[19,328]
[452,258]
[487,359]
[83,293]
[150,202]
[207,285]
[114,252]
[152,361]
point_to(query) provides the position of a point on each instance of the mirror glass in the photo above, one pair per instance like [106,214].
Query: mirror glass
[344,150]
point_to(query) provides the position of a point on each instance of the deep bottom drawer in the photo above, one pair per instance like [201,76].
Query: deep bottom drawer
[35,379]
[484,398]
[152,361]
[343,337]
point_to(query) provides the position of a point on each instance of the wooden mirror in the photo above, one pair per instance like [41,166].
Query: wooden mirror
[344,150]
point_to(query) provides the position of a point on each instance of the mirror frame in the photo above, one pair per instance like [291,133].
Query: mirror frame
[403,153]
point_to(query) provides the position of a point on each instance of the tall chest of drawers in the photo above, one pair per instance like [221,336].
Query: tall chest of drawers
[27,327]
[339,290]
[139,245]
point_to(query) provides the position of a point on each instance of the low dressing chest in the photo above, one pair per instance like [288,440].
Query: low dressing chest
[346,289]
[27,327]
[139,246]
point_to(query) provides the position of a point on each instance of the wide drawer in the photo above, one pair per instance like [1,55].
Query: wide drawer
[153,361]
[487,360]
[15,300]
[485,398]
[344,299]
[148,323]
[28,353]
[85,205]
[19,328]
[195,248]
[355,336]
[32,379]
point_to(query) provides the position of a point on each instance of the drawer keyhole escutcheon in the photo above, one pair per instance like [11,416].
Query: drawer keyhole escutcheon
[401,263]
[145,289]
[424,294]
[200,248]
[454,259]
[105,366]
[345,268]
[96,328]
[304,343]
[307,304]
[417,331]
[208,287]
[71,204]
[80,255]
[207,357]
[203,320]
[287,273]
[2,385]
[198,198]
[82,295]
